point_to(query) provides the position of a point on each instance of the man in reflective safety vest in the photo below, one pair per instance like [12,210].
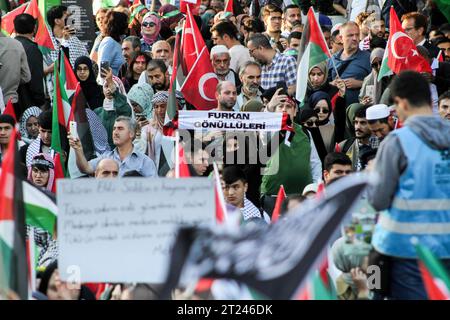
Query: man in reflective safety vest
[413,164]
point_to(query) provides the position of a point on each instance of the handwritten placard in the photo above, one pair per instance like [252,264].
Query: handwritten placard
[121,230]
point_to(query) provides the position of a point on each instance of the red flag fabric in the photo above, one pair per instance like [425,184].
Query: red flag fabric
[183,168]
[315,33]
[192,43]
[193,5]
[200,85]
[8,19]
[59,172]
[221,209]
[280,198]
[403,54]
[229,7]
[71,81]
[42,36]
[9,109]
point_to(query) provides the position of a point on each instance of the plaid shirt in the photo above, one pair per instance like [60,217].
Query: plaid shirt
[283,68]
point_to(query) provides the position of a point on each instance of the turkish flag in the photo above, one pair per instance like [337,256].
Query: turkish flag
[192,42]
[200,85]
[402,52]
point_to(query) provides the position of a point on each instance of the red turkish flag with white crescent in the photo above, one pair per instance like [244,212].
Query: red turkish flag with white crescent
[200,85]
[192,42]
[402,52]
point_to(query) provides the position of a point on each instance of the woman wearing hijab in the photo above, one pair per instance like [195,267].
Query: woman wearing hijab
[317,80]
[41,172]
[29,127]
[151,25]
[84,72]
[137,14]
[140,96]
[309,119]
[170,16]
[350,258]
[321,103]
[372,89]
[55,289]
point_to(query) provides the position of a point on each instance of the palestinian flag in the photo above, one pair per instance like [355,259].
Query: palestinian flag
[9,109]
[401,52]
[229,7]
[67,75]
[313,50]
[40,209]
[280,198]
[78,114]
[8,19]
[61,107]
[435,277]
[42,37]
[13,259]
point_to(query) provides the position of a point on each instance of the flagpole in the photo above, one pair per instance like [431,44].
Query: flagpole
[177,154]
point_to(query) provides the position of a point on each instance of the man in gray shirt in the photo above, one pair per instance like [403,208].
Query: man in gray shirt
[129,159]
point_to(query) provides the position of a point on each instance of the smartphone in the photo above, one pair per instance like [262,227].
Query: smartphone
[73,130]
[283,86]
[104,65]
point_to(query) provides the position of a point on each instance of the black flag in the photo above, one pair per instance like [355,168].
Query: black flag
[274,261]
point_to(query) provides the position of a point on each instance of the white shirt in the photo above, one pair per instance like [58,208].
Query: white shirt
[239,55]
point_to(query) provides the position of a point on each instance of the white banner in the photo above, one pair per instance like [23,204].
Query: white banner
[230,121]
[121,230]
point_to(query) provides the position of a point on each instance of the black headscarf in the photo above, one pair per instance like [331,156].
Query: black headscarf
[305,114]
[315,98]
[92,91]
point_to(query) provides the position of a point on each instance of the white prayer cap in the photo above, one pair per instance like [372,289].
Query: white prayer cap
[337,26]
[218,50]
[378,111]
[312,187]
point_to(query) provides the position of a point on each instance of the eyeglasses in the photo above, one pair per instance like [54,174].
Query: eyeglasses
[252,50]
[148,24]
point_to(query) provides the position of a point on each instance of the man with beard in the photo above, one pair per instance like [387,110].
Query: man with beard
[377,31]
[226,95]
[351,147]
[291,15]
[220,59]
[444,105]
[250,76]
[158,75]
[276,67]
[380,120]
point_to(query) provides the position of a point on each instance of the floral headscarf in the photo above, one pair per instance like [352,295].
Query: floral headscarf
[151,17]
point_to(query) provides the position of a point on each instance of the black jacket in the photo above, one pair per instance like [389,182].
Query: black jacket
[442,77]
[32,93]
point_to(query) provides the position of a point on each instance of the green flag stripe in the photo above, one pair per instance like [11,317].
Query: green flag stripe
[433,265]
[40,217]
[316,55]
[5,265]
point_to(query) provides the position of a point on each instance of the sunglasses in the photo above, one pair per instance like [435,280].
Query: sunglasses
[148,24]
[311,123]
[323,110]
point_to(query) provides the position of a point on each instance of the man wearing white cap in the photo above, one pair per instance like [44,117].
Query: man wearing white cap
[220,59]
[380,120]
